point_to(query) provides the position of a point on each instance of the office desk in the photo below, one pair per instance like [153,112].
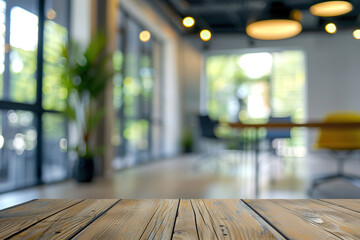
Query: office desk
[311,124]
[182,219]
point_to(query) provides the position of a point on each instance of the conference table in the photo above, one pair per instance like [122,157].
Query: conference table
[182,219]
[310,124]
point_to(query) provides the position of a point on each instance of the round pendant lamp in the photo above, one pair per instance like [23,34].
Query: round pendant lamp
[278,21]
[331,8]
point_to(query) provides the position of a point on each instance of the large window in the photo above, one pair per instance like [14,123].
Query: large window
[251,87]
[33,130]
[137,90]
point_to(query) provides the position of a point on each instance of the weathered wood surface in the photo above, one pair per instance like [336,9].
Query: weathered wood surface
[308,219]
[185,226]
[230,219]
[135,219]
[16,219]
[352,204]
[182,219]
[67,222]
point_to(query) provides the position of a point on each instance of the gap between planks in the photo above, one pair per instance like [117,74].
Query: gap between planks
[93,220]
[221,219]
[266,220]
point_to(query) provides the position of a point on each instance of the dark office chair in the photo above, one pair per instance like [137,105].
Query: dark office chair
[277,133]
[207,127]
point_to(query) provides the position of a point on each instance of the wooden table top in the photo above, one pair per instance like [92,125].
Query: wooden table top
[182,219]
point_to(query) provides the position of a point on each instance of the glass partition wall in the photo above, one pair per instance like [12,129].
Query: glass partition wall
[137,95]
[33,130]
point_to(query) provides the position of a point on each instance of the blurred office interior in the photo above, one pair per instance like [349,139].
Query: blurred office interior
[165,130]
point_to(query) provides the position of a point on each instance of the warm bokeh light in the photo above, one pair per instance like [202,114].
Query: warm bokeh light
[356,34]
[330,28]
[51,14]
[273,29]
[145,36]
[331,8]
[296,15]
[188,22]
[205,35]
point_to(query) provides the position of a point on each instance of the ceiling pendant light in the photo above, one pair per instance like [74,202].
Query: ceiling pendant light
[331,8]
[277,22]
[205,35]
[330,28]
[188,22]
[356,34]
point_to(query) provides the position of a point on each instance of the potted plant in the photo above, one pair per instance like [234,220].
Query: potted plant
[85,76]
[187,141]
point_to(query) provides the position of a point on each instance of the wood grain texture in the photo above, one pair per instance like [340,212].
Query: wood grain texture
[14,220]
[203,219]
[351,204]
[340,209]
[232,219]
[182,219]
[67,222]
[132,219]
[162,222]
[185,227]
[307,219]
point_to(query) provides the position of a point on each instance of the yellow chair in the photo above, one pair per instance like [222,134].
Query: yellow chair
[341,141]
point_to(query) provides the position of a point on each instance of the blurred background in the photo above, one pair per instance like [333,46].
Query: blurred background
[173,91]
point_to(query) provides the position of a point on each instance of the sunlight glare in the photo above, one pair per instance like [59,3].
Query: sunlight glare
[23,29]
[256,65]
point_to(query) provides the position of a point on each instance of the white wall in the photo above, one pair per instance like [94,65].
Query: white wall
[333,74]
[191,70]
[81,20]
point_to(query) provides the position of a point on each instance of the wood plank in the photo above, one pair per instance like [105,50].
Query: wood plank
[162,223]
[130,219]
[340,209]
[16,219]
[307,219]
[185,227]
[204,224]
[351,204]
[232,219]
[17,205]
[67,222]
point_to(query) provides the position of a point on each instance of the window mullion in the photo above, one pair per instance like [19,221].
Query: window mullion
[39,80]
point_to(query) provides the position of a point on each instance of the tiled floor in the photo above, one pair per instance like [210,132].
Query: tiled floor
[191,176]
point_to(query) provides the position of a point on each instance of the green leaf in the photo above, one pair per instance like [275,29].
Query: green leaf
[70,113]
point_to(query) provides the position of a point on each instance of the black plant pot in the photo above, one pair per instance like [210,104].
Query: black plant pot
[188,149]
[84,170]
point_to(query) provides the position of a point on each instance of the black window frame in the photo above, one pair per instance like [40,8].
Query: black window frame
[36,108]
